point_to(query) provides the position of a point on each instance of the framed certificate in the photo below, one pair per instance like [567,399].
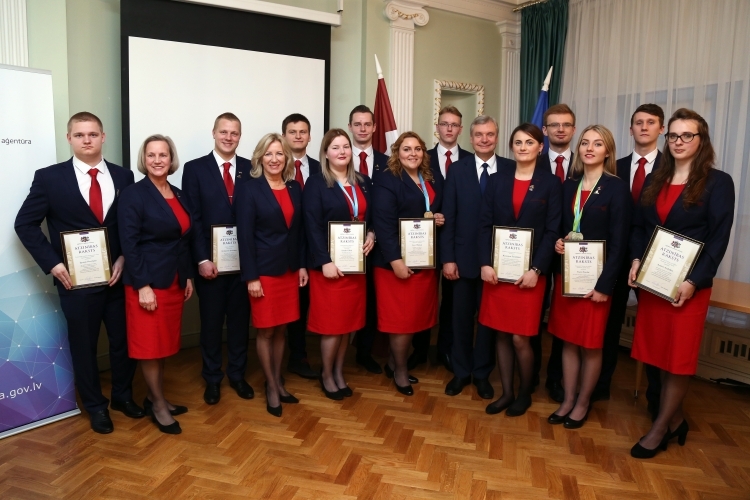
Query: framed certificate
[512,248]
[417,238]
[86,256]
[668,260]
[345,241]
[582,264]
[225,253]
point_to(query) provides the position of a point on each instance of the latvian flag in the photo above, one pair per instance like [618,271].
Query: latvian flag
[386,132]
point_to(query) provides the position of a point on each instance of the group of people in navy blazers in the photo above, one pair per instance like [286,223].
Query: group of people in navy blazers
[282,201]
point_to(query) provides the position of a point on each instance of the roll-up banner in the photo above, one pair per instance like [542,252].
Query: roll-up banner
[36,372]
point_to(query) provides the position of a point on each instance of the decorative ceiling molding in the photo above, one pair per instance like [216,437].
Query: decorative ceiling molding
[490,10]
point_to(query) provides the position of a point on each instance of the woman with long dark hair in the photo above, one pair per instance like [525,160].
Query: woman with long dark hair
[689,196]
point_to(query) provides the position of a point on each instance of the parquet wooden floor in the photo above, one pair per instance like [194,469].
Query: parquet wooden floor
[379,444]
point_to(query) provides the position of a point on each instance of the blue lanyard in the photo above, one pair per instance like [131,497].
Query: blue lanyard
[354,202]
[425,193]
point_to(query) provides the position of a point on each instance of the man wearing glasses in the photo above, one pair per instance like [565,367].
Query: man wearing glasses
[446,152]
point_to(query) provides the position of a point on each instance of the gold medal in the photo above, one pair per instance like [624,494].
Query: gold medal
[573,236]
[428,215]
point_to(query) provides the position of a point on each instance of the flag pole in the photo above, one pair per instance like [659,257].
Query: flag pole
[378,69]
[545,87]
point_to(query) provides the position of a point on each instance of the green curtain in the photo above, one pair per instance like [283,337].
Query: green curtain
[543,30]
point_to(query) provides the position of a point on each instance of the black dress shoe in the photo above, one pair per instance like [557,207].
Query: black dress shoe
[406,391]
[484,388]
[100,422]
[129,408]
[302,368]
[639,451]
[494,408]
[288,399]
[456,385]
[556,419]
[273,410]
[173,428]
[445,360]
[576,424]
[600,394]
[389,374]
[555,390]
[680,433]
[346,392]
[334,395]
[212,394]
[243,389]
[415,360]
[148,407]
[519,406]
[369,364]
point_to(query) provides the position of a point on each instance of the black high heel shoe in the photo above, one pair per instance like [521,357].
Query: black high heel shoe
[289,399]
[148,407]
[639,451]
[389,373]
[576,424]
[334,395]
[494,408]
[680,433]
[346,392]
[556,419]
[173,428]
[406,390]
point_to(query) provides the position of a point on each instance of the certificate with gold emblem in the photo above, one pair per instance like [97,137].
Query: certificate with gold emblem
[225,253]
[417,238]
[511,252]
[668,260]
[345,242]
[86,257]
[582,264]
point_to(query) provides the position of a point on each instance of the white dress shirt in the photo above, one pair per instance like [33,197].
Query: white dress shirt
[221,161]
[370,158]
[649,166]
[491,165]
[104,178]
[566,160]
[442,157]
[304,168]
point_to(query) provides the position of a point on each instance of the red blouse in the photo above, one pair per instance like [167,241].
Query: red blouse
[285,202]
[667,198]
[584,197]
[182,216]
[520,188]
[361,201]
[430,192]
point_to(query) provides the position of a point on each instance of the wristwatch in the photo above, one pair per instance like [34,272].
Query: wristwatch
[536,270]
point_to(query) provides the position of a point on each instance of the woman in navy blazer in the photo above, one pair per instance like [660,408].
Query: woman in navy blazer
[606,208]
[271,242]
[406,299]
[524,197]
[337,300]
[689,196]
[156,235]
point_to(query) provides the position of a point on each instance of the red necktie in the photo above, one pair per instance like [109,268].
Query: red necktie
[95,196]
[228,182]
[559,171]
[363,163]
[448,161]
[639,178]
[298,173]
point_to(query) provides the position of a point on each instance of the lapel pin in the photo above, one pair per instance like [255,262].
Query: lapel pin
[531,188]
[598,190]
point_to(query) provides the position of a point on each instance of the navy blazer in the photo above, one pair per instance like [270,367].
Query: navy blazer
[544,161]
[606,216]
[267,246]
[709,221]
[397,198]
[624,163]
[55,196]
[462,206]
[540,211]
[322,204]
[435,161]
[314,167]
[154,247]
[379,164]
[208,200]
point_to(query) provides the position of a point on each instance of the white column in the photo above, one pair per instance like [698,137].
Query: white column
[404,15]
[510,80]
[14,44]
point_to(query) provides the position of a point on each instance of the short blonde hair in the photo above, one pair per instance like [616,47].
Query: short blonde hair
[265,142]
[610,163]
[175,161]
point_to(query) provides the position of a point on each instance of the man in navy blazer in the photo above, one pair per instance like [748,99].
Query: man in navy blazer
[368,162]
[646,125]
[296,129]
[442,156]
[209,184]
[83,193]
[462,201]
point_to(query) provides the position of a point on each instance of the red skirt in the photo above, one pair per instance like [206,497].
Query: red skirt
[576,320]
[279,304]
[406,306]
[510,309]
[337,306]
[669,337]
[154,334]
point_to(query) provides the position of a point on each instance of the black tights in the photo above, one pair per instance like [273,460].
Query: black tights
[509,348]
[673,391]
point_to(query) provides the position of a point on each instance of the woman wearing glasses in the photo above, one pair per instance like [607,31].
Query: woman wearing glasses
[689,196]
[596,205]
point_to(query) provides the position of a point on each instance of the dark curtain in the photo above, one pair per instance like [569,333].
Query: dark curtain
[543,30]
